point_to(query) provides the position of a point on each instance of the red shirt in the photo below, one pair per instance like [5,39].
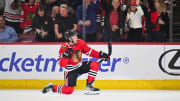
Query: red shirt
[154,16]
[113,18]
[79,48]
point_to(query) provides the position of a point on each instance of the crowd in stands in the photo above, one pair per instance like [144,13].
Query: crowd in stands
[95,20]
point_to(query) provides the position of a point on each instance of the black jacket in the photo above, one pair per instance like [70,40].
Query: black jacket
[108,8]
[43,23]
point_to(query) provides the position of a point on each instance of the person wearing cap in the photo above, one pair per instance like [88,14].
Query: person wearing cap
[71,61]
[64,21]
[134,19]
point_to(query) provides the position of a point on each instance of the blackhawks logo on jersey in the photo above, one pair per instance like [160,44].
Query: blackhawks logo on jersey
[76,56]
[30,16]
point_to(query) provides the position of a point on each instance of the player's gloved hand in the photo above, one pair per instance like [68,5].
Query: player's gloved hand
[68,53]
[103,55]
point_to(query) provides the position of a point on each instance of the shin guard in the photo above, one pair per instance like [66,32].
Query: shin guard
[94,67]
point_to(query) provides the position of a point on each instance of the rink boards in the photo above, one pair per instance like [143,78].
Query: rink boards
[132,66]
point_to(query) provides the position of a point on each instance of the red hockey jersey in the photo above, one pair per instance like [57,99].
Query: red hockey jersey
[75,60]
[27,14]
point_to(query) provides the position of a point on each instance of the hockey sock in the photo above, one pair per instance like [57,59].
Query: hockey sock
[63,89]
[94,67]
[57,88]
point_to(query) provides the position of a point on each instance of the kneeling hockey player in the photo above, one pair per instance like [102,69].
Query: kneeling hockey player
[71,60]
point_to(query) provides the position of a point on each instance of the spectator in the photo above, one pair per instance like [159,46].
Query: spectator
[99,17]
[41,24]
[63,22]
[7,33]
[69,3]
[12,13]
[27,14]
[54,12]
[90,22]
[145,20]
[2,5]
[134,18]
[113,21]
[159,20]
[100,21]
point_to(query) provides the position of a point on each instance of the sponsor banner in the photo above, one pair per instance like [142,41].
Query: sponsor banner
[169,61]
[128,62]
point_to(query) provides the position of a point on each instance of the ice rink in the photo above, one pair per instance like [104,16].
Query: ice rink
[105,95]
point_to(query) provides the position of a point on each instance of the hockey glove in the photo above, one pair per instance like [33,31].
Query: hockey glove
[103,55]
[68,53]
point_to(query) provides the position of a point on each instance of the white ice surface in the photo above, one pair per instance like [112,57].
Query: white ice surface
[105,95]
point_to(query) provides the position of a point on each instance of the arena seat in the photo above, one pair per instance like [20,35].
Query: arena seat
[27,37]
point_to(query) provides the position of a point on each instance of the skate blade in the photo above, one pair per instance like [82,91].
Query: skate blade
[92,92]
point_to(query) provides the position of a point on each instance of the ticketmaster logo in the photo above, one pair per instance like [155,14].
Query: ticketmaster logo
[41,64]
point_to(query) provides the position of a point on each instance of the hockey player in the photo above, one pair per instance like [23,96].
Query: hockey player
[71,60]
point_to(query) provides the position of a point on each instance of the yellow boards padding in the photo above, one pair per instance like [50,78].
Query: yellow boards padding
[102,84]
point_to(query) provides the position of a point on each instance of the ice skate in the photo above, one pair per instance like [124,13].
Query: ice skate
[90,90]
[47,88]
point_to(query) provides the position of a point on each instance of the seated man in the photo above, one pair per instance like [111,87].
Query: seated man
[7,33]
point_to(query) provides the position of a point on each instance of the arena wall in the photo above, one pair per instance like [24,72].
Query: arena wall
[132,66]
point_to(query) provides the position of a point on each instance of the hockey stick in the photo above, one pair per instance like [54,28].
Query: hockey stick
[109,51]
[109,48]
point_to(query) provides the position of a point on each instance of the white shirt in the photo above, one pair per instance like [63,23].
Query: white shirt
[136,18]
[10,14]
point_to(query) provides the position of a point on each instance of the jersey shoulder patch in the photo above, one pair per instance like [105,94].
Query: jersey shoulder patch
[64,46]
